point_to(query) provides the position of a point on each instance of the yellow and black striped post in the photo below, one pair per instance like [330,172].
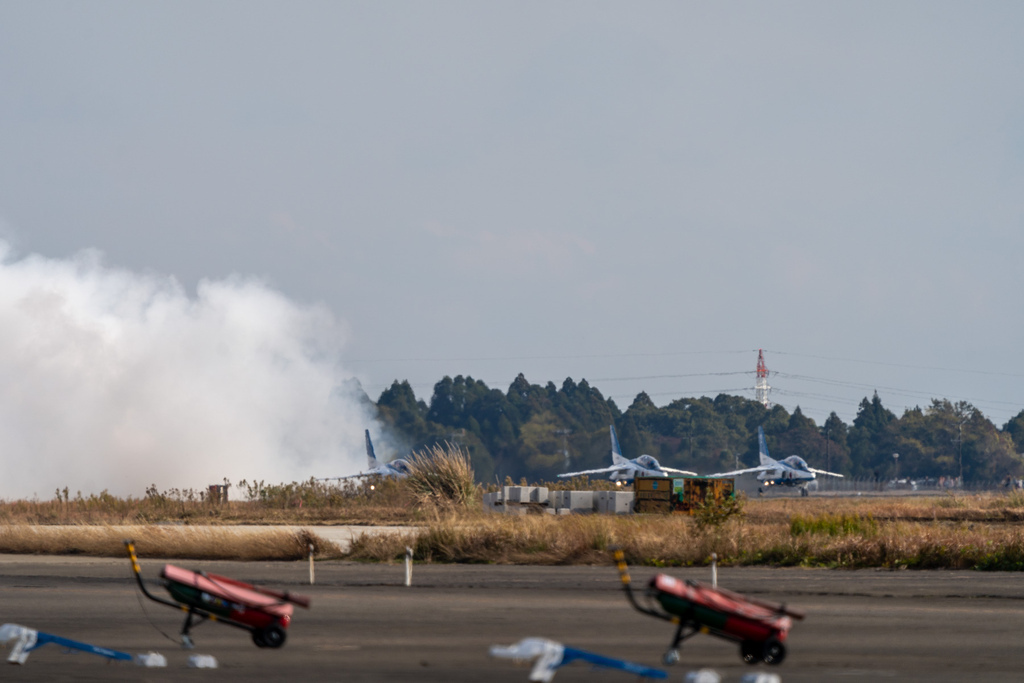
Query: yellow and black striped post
[620,562]
[130,545]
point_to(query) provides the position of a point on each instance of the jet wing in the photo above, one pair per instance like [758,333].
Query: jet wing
[377,471]
[675,471]
[761,468]
[603,470]
[348,476]
[831,474]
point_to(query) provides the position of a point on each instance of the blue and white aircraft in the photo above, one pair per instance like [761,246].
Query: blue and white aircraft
[623,470]
[790,471]
[375,468]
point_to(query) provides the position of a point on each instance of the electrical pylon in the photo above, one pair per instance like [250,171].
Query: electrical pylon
[761,388]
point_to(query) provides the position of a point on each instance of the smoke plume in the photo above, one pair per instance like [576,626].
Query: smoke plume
[111,379]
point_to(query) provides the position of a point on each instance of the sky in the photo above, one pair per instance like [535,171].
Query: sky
[639,195]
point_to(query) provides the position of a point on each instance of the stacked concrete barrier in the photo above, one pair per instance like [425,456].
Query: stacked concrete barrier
[517,500]
[520,500]
[613,502]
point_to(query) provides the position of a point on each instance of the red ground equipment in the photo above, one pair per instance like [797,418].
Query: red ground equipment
[264,613]
[759,627]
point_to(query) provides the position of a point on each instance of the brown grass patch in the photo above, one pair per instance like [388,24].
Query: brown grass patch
[207,543]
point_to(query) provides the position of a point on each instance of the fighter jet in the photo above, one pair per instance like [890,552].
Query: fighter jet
[791,471]
[375,468]
[623,470]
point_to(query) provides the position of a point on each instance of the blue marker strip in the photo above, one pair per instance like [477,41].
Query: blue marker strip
[571,654]
[47,638]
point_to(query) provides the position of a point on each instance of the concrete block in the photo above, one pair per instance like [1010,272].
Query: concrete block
[578,501]
[539,494]
[619,503]
[493,502]
[519,494]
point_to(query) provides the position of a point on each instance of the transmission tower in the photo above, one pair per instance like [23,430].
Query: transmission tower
[761,388]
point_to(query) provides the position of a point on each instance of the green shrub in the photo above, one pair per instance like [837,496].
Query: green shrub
[833,525]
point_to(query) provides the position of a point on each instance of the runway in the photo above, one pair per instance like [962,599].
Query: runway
[365,626]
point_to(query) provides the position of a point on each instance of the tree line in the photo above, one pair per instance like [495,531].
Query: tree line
[536,432]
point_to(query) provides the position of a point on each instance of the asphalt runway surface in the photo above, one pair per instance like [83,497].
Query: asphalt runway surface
[364,625]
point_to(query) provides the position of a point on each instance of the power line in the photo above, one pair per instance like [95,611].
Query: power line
[568,357]
[898,365]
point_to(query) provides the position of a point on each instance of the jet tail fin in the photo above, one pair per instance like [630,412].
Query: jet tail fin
[762,447]
[617,458]
[371,459]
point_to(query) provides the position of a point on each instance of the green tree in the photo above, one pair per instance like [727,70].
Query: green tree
[837,453]
[870,439]
[1015,429]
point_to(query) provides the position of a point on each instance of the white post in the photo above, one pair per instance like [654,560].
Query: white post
[312,572]
[408,566]
[714,570]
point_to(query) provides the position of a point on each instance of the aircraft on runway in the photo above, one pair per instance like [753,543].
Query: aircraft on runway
[395,468]
[623,470]
[790,471]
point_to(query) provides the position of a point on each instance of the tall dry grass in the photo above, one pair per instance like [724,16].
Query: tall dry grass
[661,541]
[378,501]
[204,542]
[442,476]
[390,501]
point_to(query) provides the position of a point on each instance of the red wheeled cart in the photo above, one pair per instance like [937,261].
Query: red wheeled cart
[264,613]
[759,627]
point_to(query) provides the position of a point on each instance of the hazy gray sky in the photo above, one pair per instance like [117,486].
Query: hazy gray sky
[597,190]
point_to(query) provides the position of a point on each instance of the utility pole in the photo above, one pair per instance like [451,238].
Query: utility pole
[564,433]
[962,416]
[960,447]
[828,450]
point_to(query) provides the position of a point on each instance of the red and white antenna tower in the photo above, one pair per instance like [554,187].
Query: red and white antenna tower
[761,388]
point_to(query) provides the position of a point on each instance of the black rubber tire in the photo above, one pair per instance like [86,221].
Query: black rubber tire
[273,636]
[773,652]
[751,651]
[257,638]
[804,493]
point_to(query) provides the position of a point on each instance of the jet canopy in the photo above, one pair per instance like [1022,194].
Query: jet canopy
[648,462]
[400,466]
[797,463]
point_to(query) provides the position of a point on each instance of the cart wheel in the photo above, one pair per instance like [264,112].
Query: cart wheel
[671,657]
[751,651]
[272,636]
[774,652]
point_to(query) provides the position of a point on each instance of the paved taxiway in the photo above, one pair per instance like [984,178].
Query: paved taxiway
[365,626]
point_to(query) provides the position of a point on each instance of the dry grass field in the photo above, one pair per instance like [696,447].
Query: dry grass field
[961,531]
[777,533]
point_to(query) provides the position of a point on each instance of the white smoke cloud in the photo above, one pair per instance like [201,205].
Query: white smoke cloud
[111,379]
